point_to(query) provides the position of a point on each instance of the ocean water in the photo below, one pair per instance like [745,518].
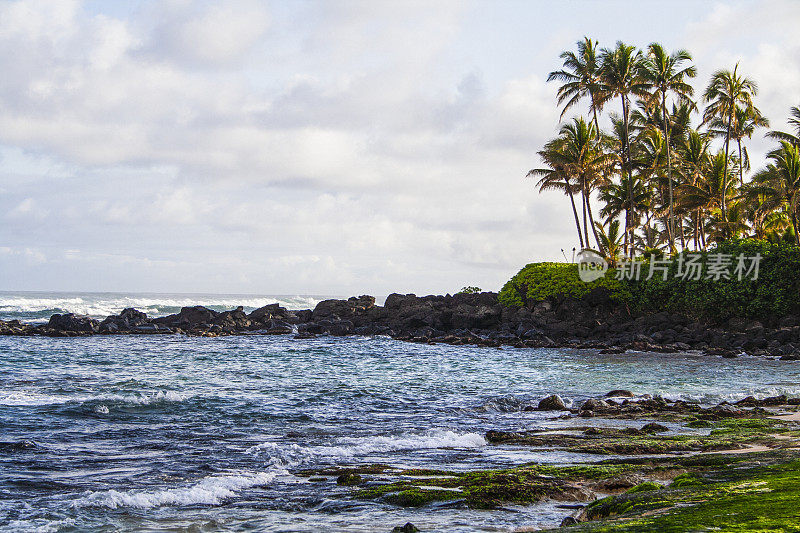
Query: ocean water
[37,307]
[155,433]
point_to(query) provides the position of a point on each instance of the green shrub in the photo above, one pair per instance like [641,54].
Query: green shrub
[469,290]
[775,293]
[543,281]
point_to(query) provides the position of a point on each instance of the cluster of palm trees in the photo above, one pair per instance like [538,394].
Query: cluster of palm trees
[652,169]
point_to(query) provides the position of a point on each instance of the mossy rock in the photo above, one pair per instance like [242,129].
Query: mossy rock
[644,487]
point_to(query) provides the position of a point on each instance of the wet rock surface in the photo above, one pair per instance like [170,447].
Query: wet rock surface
[657,477]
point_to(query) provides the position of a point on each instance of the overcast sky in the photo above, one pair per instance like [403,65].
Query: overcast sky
[313,147]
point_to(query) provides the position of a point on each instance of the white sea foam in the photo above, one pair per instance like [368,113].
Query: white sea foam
[34,398]
[714,397]
[39,525]
[293,455]
[101,306]
[212,490]
[430,440]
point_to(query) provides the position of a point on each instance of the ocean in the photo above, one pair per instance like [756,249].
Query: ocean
[155,433]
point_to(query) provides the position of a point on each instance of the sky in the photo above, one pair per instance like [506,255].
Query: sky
[314,147]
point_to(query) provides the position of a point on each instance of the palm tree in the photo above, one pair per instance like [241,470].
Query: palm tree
[745,122]
[610,242]
[620,73]
[779,182]
[578,153]
[664,74]
[557,177]
[794,121]
[617,200]
[580,78]
[712,190]
[694,162]
[727,91]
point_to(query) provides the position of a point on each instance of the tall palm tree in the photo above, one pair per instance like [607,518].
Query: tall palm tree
[713,189]
[694,162]
[555,178]
[794,121]
[617,201]
[620,73]
[666,73]
[727,91]
[745,122]
[580,154]
[580,78]
[779,182]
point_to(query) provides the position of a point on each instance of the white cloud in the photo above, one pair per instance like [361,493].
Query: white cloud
[296,147]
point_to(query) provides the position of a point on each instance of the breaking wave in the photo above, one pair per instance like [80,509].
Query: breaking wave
[292,455]
[39,307]
[212,490]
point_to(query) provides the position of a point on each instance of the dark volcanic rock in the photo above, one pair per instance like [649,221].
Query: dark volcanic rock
[552,403]
[189,317]
[407,528]
[232,321]
[73,323]
[620,393]
[128,320]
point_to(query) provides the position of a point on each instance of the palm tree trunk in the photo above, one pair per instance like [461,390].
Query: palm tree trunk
[741,163]
[591,218]
[671,220]
[626,161]
[794,225]
[702,234]
[575,213]
[725,175]
[583,207]
[695,231]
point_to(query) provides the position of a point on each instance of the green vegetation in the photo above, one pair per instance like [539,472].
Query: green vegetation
[634,479]
[469,290]
[755,491]
[556,281]
[750,497]
[675,170]
[773,294]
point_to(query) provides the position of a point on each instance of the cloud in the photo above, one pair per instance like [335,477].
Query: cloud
[295,147]
[206,34]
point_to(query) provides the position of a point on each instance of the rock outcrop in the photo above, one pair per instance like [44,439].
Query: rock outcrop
[475,319]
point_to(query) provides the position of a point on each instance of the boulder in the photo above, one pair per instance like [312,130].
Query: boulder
[594,405]
[653,427]
[407,528]
[620,393]
[235,320]
[189,317]
[552,403]
[268,312]
[127,320]
[74,323]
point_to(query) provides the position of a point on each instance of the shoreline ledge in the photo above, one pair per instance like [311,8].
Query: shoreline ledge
[594,321]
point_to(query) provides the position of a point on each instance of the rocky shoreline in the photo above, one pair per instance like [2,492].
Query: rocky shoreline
[461,319]
[668,466]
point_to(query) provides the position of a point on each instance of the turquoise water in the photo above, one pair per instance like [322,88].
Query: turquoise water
[204,434]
